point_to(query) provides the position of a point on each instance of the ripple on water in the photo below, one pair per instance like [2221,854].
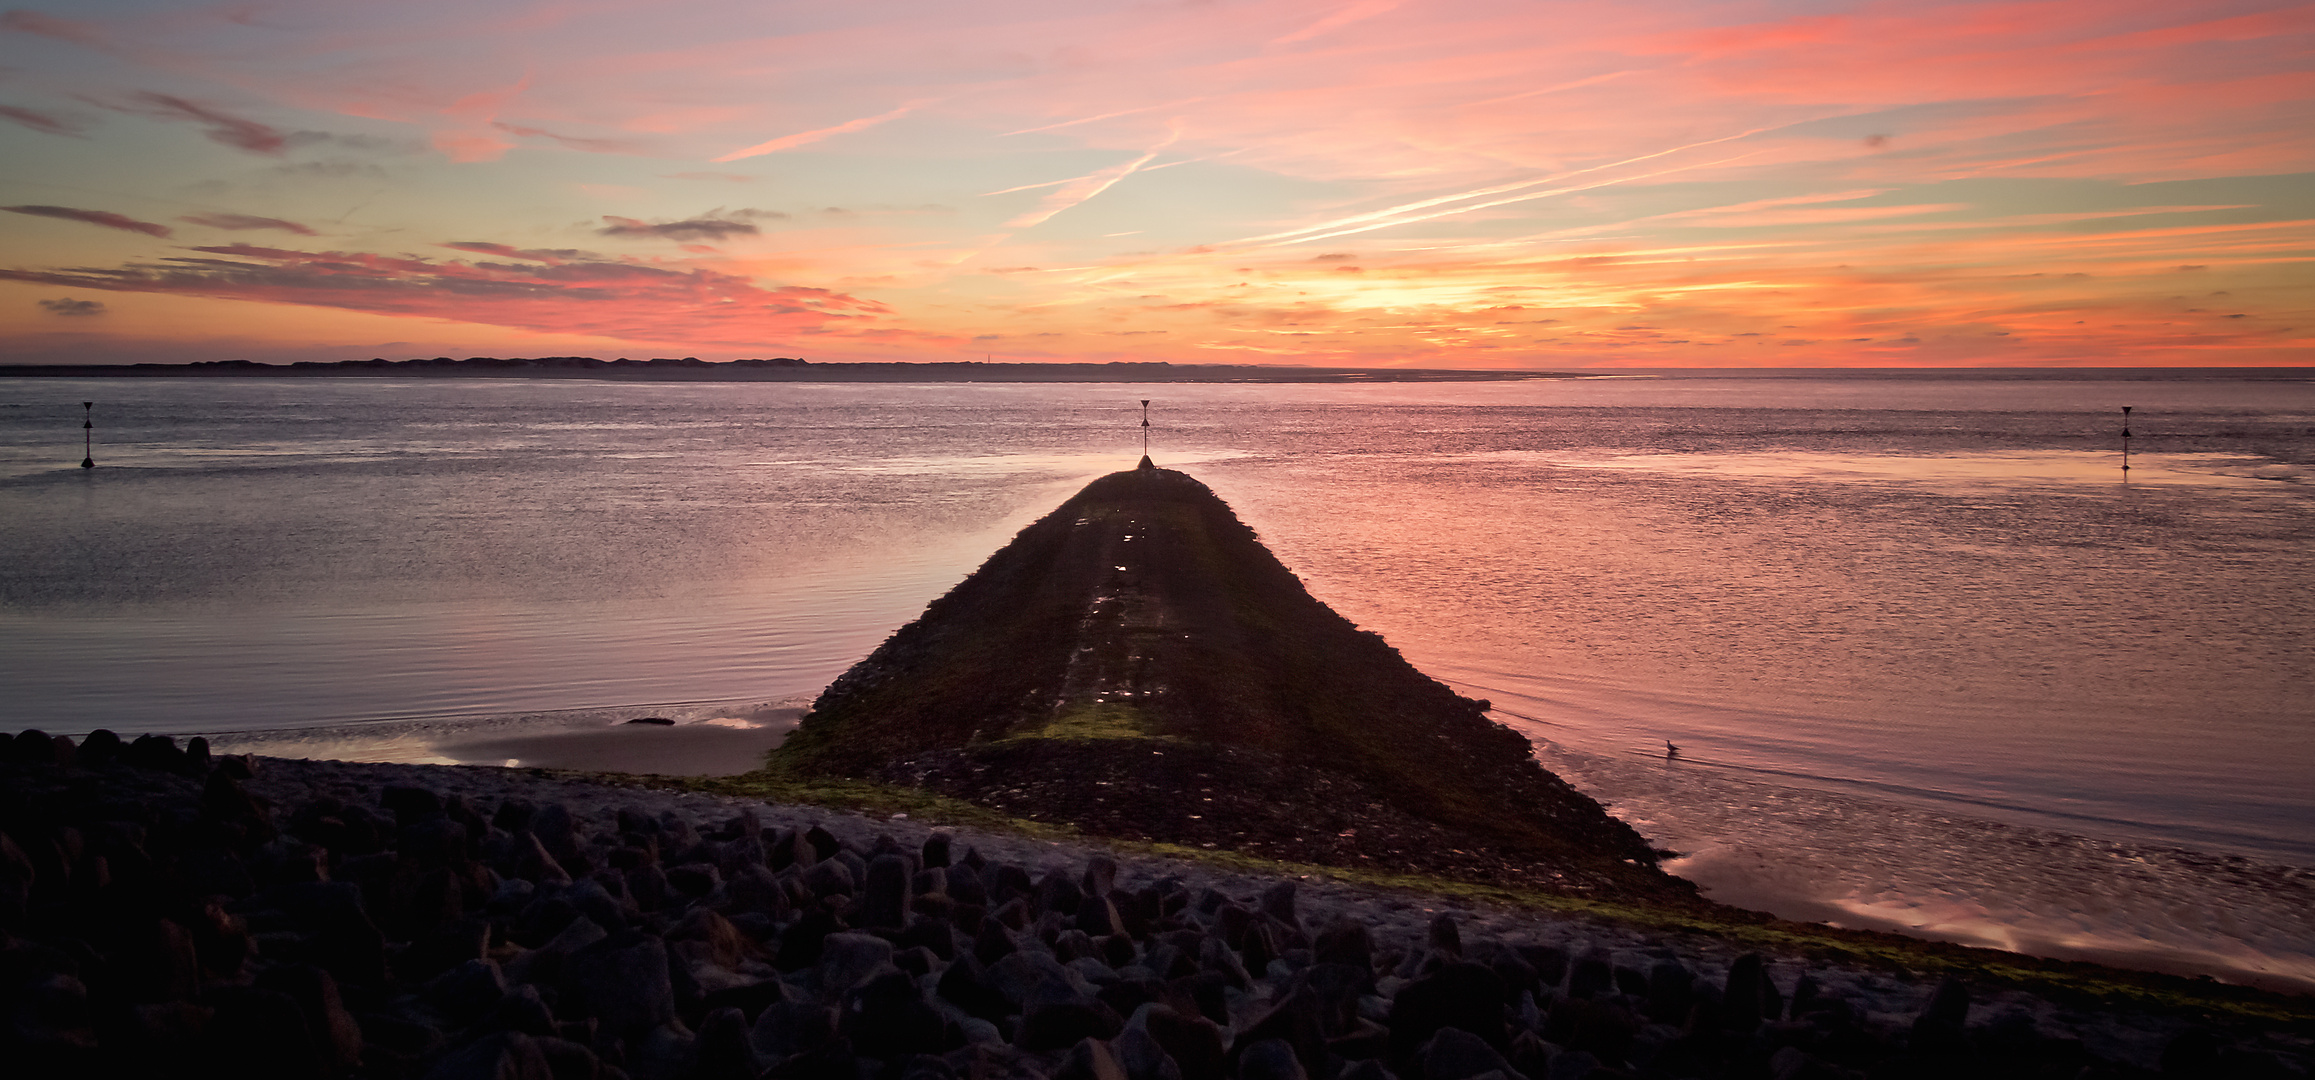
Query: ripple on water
[1852,861]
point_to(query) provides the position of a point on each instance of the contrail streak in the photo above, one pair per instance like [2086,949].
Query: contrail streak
[1103,116]
[1088,186]
[1500,189]
[1514,199]
[788,142]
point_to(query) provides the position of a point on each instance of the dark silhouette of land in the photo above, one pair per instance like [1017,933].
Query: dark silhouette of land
[1138,665]
[781,369]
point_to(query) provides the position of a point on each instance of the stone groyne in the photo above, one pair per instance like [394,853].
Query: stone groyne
[1136,664]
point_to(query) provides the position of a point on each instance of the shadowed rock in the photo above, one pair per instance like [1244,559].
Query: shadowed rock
[154,931]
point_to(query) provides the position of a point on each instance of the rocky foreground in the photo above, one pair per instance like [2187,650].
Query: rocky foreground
[169,915]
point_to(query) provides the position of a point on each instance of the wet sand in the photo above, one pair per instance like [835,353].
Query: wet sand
[714,748]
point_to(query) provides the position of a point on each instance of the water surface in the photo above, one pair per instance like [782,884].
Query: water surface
[1931,662]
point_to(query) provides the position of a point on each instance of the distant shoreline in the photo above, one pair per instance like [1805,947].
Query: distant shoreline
[690,369]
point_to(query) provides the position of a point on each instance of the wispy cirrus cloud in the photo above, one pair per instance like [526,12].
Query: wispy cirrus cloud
[246,222]
[219,126]
[574,142]
[1350,13]
[1106,116]
[105,218]
[45,123]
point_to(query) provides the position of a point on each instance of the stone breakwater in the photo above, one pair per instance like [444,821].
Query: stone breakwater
[1134,662]
[171,915]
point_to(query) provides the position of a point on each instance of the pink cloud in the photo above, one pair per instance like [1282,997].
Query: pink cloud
[1453,92]
[1974,51]
[1470,147]
[475,135]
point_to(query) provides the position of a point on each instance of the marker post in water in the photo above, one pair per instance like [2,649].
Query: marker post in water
[88,435]
[2126,440]
[1145,427]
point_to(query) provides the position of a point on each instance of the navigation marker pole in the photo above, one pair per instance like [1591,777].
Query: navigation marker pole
[2126,442]
[88,435]
[1145,462]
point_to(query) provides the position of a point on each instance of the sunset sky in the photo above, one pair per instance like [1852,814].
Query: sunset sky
[1434,183]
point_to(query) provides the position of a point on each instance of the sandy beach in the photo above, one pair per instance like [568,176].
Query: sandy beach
[708,748]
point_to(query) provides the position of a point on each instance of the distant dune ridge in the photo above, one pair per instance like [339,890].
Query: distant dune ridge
[1137,664]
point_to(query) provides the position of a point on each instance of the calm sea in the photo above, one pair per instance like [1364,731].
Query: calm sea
[1931,661]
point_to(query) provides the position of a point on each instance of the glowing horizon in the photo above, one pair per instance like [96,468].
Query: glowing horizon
[1771,183]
